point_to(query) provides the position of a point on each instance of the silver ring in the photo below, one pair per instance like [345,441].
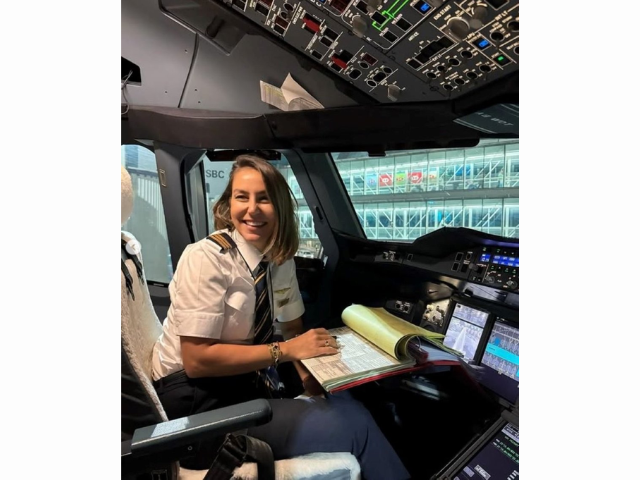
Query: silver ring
[326,343]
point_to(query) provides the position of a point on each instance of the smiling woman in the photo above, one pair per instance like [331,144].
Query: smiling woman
[218,348]
[252,212]
[258,203]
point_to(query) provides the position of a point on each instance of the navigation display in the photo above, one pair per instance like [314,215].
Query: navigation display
[465,329]
[498,459]
[502,357]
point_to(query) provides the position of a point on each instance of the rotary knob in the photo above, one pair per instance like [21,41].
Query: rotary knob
[476,24]
[372,5]
[359,25]
[459,27]
[480,13]
[490,278]
[512,284]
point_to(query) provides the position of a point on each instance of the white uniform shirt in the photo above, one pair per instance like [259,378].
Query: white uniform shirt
[213,296]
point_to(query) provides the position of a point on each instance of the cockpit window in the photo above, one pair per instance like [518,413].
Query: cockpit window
[407,194]
[147,222]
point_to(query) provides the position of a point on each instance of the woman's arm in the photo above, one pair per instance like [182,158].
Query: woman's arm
[290,330]
[202,357]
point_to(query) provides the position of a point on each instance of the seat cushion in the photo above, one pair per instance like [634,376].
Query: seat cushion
[315,466]
[137,408]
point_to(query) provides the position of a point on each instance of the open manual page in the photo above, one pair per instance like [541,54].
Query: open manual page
[375,344]
[289,97]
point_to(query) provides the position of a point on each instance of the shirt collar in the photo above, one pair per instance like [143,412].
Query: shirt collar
[251,254]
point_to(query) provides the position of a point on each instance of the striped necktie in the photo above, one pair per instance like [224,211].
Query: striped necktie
[263,323]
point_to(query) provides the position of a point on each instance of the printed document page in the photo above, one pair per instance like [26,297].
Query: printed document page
[357,356]
[289,97]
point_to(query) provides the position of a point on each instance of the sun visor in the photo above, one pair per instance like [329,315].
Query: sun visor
[502,118]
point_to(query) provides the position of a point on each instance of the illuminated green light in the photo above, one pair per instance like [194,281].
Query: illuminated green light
[390,14]
[502,60]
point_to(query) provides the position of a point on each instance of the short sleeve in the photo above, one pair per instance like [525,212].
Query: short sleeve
[197,296]
[286,292]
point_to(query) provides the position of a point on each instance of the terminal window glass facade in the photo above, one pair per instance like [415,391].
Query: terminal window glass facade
[408,194]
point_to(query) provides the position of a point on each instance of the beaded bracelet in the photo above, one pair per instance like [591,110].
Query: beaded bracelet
[276,353]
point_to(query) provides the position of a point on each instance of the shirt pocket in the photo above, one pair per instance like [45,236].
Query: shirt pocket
[240,302]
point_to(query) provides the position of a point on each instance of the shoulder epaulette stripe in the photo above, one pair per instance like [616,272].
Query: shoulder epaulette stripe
[223,240]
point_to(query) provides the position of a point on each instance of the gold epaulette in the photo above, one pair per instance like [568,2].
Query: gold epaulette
[223,240]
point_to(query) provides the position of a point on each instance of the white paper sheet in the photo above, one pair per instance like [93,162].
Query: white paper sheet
[289,97]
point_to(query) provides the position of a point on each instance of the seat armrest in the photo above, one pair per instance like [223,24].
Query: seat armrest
[187,430]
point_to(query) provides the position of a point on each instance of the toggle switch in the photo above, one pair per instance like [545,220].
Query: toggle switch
[393,92]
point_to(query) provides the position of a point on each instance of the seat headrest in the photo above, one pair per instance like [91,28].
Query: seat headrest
[126,205]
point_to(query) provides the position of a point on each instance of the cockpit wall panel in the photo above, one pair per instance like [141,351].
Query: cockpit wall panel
[232,82]
[162,49]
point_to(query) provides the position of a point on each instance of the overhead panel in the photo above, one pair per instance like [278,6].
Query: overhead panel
[399,50]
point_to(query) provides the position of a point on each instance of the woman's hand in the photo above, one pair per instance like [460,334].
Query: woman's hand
[314,343]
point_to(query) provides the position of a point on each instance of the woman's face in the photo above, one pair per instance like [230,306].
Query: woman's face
[252,212]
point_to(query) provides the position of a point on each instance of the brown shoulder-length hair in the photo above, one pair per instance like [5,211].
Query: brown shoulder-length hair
[283,244]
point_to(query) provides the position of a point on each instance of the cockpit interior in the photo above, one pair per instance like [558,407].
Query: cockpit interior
[395,124]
